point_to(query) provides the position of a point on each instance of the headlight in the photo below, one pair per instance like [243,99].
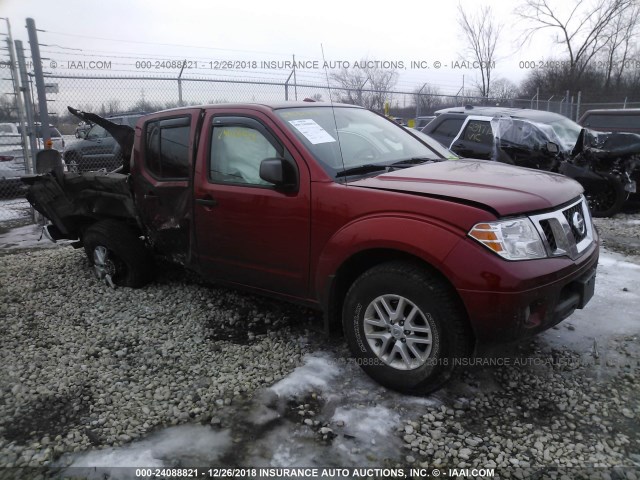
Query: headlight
[515,239]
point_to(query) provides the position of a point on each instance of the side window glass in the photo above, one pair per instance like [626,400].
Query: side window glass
[236,155]
[167,150]
[96,132]
[152,153]
[449,127]
[478,131]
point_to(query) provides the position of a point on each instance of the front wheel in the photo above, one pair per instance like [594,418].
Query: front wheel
[117,254]
[405,327]
[608,198]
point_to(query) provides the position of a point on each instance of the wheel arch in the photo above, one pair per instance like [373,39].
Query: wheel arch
[358,263]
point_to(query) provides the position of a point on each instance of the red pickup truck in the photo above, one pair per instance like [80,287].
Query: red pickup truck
[415,254]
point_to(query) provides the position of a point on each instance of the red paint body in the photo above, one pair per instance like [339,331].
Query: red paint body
[298,245]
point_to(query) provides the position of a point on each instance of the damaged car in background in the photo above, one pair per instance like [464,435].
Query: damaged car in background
[415,257]
[606,164]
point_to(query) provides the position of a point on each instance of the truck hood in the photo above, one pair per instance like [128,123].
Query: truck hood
[505,189]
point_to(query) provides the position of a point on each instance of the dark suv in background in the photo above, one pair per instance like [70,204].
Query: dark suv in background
[612,120]
[606,164]
[98,150]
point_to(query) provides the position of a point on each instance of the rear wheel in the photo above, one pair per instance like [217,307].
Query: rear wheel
[405,327]
[117,254]
[608,198]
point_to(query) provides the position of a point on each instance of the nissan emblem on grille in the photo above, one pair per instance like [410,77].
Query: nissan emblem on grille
[578,223]
[567,231]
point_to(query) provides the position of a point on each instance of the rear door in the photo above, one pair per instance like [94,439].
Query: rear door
[247,230]
[475,140]
[161,171]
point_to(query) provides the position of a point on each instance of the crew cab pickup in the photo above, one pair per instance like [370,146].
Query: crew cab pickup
[415,254]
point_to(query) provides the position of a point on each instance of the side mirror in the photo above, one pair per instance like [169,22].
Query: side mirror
[279,172]
[82,134]
[552,147]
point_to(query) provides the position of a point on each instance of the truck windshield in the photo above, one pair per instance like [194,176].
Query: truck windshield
[361,138]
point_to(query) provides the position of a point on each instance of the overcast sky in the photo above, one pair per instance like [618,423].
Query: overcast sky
[126,33]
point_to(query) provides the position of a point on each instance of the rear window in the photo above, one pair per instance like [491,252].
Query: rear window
[167,148]
[615,121]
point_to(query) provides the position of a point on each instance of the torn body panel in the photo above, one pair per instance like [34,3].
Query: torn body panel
[81,199]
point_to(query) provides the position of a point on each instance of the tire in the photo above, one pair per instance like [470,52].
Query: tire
[117,254]
[436,315]
[608,200]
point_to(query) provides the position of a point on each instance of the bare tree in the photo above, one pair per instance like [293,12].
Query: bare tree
[481,32]
[503,89]
[111,107]
[368,86]
[584,31]
[8,108]
[427,99]
[617,52]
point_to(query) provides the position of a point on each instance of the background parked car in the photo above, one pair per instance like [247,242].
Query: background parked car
[9,136]
[606,164]
[98,149]
[612,120]
[82,129]
[56,137]
[12,161]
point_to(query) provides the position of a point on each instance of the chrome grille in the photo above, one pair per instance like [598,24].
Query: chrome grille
[567,231]
[569,214]
[548,233]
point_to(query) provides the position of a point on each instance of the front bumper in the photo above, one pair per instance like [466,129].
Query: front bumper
[511,300]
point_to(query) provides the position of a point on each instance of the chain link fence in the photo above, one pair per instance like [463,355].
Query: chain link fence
[14,209]
[123,99]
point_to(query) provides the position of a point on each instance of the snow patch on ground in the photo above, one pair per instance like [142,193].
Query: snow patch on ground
[191,445]
[14,209]
[610,259]
[28,236]
[367,423]
[611,313]
[315,375]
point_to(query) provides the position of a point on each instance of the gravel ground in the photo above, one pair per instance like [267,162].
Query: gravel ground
[94,376]
[88,366]
[621,233]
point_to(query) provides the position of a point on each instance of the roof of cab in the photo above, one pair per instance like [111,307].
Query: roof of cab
[265,105]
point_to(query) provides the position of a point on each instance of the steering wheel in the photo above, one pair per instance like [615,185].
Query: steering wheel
[366,153]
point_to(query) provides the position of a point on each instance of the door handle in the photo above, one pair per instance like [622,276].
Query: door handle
[150,196]
[207,202]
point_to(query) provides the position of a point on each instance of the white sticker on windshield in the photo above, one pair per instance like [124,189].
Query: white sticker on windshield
[312,131]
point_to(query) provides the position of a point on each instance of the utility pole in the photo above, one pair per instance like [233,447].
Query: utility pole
[37,70]
[26,93]
[15,77]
